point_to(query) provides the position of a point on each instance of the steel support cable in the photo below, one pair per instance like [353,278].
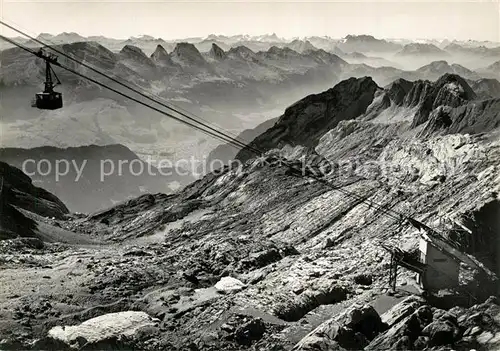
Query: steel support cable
[221,136]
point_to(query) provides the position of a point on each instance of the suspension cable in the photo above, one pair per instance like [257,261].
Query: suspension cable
[175,109]
[220,136]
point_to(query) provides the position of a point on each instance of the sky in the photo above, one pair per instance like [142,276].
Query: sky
[477,20]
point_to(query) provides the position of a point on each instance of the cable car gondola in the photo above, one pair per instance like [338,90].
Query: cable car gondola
[48,99]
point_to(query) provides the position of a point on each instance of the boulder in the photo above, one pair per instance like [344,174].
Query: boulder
[249,331]
[407,324]
[441,332]
[363,279]
[402,310]
[101,332]
[352,330]
[293,309]
[229,285]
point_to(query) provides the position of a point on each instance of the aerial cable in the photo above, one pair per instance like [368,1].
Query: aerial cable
[137,91]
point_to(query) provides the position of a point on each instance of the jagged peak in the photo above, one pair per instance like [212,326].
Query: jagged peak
[242,52]
[216,52]
[348,87]
[187,54]
[186,49]
[364,37]
[307,120]
[160,50]
[131,49]
[449,90]
[455,78]
[398,81]
[241,49]
[161,55]
[398,89]
[284,51]
[358,83]
[135,54]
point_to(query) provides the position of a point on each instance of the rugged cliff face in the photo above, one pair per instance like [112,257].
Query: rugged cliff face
[307,120]
[261,257]
[473,118]
[449,90]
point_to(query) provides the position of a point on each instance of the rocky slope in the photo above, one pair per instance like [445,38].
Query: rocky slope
[305,121]
[486,88]
[261,257]
[449,90]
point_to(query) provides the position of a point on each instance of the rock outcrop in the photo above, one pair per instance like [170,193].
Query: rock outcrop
[217,53]
[109,331]
[161,57]
[472,118]
[449,90]
[398,90]
[428,327]
[352,330]
[133,53]
[186,54]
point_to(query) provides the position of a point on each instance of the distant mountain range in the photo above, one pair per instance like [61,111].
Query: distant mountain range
[350,43]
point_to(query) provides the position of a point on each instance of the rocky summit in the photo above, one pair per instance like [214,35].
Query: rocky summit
[290,248]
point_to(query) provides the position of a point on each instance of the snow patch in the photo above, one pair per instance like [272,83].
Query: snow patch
[229,285]
[104,327]
[454,88]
